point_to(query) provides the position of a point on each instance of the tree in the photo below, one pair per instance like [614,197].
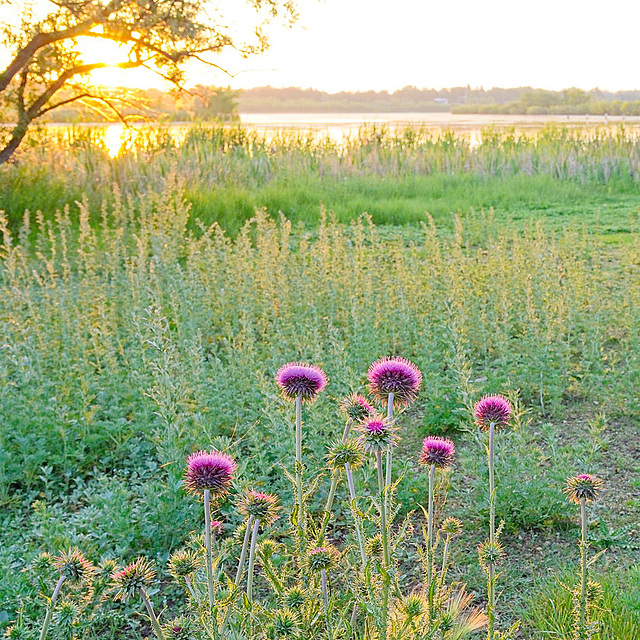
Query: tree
[47,70]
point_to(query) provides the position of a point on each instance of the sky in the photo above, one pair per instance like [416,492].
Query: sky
[386,45]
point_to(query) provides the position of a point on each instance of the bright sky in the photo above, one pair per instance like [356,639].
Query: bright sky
[388,44]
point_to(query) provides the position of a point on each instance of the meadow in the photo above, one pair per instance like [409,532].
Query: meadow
[149,299]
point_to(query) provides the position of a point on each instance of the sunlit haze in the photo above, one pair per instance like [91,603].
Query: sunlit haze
[374,44]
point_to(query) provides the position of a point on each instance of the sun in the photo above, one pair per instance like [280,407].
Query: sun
[94,50]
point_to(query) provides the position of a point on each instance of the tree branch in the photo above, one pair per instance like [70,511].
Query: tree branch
[61,104]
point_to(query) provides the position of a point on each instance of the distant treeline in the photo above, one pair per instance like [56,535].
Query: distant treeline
[519,100]
[204,103]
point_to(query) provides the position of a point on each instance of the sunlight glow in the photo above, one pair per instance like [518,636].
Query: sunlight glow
[113,139]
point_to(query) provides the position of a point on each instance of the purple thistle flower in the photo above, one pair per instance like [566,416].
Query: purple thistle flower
[583,486]
[437,451]
[377,434]
[137,576]
[217,526]
[74,566]
[494,409]
[322,558]
[301,379]
[397,376]
[356,407]
[211,470]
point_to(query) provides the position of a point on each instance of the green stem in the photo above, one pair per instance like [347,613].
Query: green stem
[445,552]
[352,495]
[152,616]
[385,547]
[491,619]
[583,568]
[187,581]
[252,557]
[335,477]
[243,553]
[389,454]
[347,429]
[299,498]
[325,598]
[492,488]
[432,469]
[52,603]
[207,541]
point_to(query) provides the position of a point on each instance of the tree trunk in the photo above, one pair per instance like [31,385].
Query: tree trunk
[17,135]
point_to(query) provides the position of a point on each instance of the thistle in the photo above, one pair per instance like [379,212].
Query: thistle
[286,624]
[300,382]
[134,579]
[294,598]
[74,567]
[397,378]
[491,412]
[322,559]
[182,565]
[450,528]
[377,434]
[356,408]
[583,489]
[260,508]
[180,628]
[210,474]
[436,453]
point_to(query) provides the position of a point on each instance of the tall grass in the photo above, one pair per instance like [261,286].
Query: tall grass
[395,175]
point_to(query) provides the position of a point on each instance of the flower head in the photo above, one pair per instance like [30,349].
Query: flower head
[301,379]
[341,453]
[217,527]
[451,527]
[437,451]
[262,506]
[378,434]
[294,597]
[137,576]
[374,546]
[494,409]
[211,470]
[490,553]
[286,624]
[183,563]
[397,376]
[180,628]
[584,486]
[356,407]
[322,558]
[74,566]
[414,605]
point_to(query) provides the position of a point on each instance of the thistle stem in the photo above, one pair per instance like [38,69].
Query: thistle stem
[52,603]
[491,616]
[299,500]
[389,454]
[352,495]
[207,542]
[243,552]
[347,429]
[187,581]
[325,591]
[432,469]
[152,616]
[330,498]
[252,557]
[445,553]
[385,547]
[492,489]
[583,568]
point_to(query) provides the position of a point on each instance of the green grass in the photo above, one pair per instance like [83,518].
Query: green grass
[132,337]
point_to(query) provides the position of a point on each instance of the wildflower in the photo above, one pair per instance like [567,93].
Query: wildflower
[397,376]
[267,548]
[180,628]
[374,546]
[437,451]
[377,434]
[286,624]
[43,563]
[217,527]
[74,566]
[66,618]
[184,563]
[451,527]
[262,506]
[349,452]
[490,553]
[294,598]
[211,470]
[301,379]
[584,486]
[322,558]
[595,592]
[138,576]
[494,409]
[414,606]
[356,407]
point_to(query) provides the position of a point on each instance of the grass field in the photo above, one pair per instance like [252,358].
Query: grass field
[148,318]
